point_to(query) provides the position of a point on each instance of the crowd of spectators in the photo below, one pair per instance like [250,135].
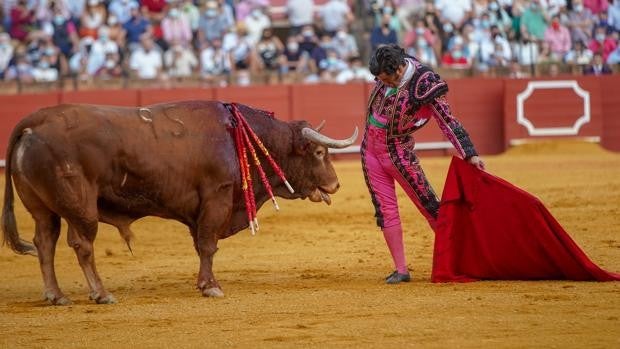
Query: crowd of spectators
[235,41]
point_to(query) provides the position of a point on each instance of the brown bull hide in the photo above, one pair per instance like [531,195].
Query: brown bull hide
[90,164]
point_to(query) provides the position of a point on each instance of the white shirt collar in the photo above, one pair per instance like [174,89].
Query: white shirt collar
[407,75]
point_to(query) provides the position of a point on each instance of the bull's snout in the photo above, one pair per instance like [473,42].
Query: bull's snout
[331,188]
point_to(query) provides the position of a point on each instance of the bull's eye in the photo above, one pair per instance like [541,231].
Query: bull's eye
[320,153]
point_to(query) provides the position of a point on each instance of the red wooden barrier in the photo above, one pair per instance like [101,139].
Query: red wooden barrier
[272,98]
[125,98]
[611,112]
[14,108]
[154,96]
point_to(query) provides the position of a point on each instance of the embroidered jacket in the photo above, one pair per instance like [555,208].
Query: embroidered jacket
[397,110]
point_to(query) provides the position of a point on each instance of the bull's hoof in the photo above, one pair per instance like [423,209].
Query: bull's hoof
[108,299]
[63,301]
[213,292]
[56,299]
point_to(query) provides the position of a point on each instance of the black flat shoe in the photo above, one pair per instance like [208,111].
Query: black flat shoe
[396,278]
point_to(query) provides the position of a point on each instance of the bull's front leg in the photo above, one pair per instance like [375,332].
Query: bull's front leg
[214,218]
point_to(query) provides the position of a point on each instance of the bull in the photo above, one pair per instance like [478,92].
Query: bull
[90,164]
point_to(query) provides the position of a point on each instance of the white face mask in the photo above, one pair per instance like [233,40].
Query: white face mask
[341,35]
[292,46]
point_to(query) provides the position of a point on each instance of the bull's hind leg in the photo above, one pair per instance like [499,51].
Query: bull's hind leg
[81,236]
[46,236]
[47,231]
[80,210]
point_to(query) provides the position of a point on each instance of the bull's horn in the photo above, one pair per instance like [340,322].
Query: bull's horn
[320,126]
[316,137]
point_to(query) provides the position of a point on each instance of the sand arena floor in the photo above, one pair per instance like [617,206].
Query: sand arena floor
[313,276]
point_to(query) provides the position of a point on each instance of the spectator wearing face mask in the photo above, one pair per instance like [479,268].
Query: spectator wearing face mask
[121,9]
[558,38]
[355,72]
[383,35]
[269,50]
[344,44]
[65,35]
[308,40]
[192,13]
[335,14]
[135,27]
[78,63]
[256,23]
[146,61]
[22,70]
[293,60]
[99,49]
[533,23]
[388,9]
[111,67]
[180,61]
[215,64]
[175,27]
[45,10]
[44,71]
[212,25]
[332,63]
[116,31]
[579,55]
[602,43]
[300,13]
[91,19]
[455,58]
[580,22]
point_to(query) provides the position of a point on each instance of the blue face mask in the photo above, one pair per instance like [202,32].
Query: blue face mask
[59,19]
[457,54]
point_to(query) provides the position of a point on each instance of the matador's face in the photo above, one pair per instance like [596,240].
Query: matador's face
[393,80]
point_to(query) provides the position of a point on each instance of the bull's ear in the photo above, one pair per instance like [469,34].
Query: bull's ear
[300,143]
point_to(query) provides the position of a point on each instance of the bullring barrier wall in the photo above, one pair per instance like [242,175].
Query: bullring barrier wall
[497,113]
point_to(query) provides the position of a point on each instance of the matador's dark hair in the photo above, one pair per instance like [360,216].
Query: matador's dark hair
[387,59]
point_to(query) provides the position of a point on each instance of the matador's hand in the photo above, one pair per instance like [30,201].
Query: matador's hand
[476,161]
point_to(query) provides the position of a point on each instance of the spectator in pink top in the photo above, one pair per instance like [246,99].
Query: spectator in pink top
[21,20]
[602,43]
[419,32]
[558,38]
[175,28]
[596,6]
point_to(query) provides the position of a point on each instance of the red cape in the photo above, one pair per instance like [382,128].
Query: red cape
[489,229]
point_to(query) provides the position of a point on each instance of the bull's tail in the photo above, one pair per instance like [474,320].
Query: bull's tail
[9,224]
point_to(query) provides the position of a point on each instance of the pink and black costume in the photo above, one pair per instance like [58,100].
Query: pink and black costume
[394,114]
